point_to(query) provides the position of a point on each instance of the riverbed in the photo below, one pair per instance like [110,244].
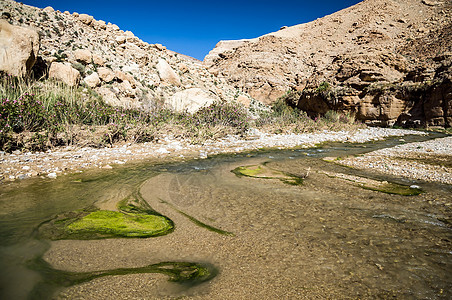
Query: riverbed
[336,233]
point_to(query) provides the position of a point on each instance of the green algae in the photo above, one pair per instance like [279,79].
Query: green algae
[134,219]
[187,273]
[377,185]
[394,188]
[265,172]
[196,221]
[119,224]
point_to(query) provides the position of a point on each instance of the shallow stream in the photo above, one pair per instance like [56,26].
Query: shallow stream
[247,237]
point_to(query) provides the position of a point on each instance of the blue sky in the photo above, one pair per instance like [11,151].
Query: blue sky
[194,27]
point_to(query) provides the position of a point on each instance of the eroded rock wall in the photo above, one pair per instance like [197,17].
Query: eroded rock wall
[388,61]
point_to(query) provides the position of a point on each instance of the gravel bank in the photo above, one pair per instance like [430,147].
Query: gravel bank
[429,161]
[71,159]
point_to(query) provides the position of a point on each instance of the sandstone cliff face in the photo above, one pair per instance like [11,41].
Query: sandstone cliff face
[388,61]
[116,64]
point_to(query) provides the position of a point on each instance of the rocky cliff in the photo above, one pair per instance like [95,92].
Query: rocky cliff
[79,50]
[387,61]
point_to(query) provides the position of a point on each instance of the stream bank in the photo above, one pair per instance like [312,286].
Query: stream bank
[18,165]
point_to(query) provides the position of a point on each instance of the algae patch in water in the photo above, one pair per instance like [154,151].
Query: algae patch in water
[187,273]
[119,224]
[394,188]
[196,221]
[134,218]
[264,172]
[376,185]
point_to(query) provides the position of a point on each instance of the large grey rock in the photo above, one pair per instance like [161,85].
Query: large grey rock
[167,74]
[19,48]
[64,73]
[191,100]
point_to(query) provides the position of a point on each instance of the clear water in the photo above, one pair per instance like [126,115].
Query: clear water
[326,238]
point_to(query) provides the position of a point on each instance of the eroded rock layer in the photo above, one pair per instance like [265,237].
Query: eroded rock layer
[387,61]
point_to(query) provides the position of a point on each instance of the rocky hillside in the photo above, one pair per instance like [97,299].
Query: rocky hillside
[79,50]
[387,61]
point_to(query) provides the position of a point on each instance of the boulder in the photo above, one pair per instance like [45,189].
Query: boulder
[99,24]
[159,47]
[244,100]
[106,74]
[98,60]
[167,74]
[190,100]
[64,73]
[83,55]
[121,76]
[19,48]
[92,80]
[85,19]
[112,27]
[108,96]
[120,39]
[183,68]
[48,9]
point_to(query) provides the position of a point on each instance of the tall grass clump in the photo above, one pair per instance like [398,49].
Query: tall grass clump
[40,115]
[217,120]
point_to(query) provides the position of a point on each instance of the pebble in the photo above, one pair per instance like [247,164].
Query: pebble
[52,175]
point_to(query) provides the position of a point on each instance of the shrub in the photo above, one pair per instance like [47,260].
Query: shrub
[323,87]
